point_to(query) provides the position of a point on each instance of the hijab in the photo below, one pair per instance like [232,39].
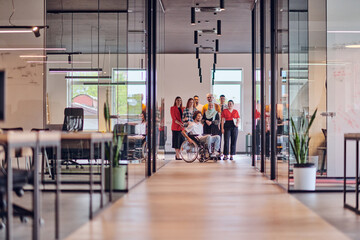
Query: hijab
[211,113]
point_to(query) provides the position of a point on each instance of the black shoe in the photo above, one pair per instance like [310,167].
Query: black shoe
[176,158]
[225,158]
[231,158]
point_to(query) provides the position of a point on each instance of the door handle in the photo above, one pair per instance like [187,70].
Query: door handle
[328,114]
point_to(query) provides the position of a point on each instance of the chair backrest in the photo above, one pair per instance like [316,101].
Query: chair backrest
[124,128]
[73,119]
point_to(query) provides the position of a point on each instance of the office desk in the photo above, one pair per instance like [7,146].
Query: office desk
[93,139]
[12,140]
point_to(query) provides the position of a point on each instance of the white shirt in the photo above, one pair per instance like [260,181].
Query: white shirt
[199,107]
[195,128]
[140,129]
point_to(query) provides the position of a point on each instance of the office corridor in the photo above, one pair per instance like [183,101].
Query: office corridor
[223,200]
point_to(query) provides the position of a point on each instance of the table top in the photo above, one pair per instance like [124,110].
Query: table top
[18,138]
[98,137]
[352,135]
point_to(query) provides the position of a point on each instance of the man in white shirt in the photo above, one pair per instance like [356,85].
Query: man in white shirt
[197,128]
[197,105]
[223,104]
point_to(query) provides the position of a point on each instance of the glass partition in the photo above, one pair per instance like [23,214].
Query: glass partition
[257,90]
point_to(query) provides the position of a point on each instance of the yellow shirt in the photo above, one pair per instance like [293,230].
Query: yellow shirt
[205,108]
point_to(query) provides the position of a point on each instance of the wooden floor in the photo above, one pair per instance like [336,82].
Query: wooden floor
[224,200]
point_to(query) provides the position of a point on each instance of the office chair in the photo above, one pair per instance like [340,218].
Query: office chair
[21,177]
[73,122]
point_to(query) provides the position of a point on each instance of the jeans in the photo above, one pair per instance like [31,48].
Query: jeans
[209,140]
[230,133]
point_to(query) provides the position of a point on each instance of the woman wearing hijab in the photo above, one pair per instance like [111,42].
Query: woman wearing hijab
[211,120]
[177,125]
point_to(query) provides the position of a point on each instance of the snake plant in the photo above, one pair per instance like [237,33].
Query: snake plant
[300,139]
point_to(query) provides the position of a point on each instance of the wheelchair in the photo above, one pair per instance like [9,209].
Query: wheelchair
[195,150]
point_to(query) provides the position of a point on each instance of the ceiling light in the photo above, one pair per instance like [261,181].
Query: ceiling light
[215,59]
[65,70]
[353,46]
[32,49]
[199,71]
[197,52]
[53,62]
[200,79]
[32,56]
[36,31]
[195,37]
[199,66]
[343,31]
[22,29]
[222,5]
[219,27]
[192,16]
[217,45]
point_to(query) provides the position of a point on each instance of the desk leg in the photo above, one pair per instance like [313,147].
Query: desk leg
[111,172]
[36,196]
[102,175]
[91,178]
[344,171]
[357,176]
[9,208]
[57,193]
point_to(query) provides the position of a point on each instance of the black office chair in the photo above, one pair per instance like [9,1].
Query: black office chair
[73,122]
[21,177]
[73,119]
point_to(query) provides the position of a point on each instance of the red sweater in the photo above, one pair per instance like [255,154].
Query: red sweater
[175,115]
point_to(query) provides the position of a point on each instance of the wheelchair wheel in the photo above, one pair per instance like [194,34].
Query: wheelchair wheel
[188,151]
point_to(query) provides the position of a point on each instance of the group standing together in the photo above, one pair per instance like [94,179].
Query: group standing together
[210,122]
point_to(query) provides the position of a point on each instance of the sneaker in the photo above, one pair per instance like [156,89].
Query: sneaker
[214,154]
[231,158]
[225,158]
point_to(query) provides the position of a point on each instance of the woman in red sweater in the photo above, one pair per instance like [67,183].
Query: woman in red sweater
[176,112]
[230,120]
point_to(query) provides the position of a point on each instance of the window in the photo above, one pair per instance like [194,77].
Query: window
[130,96]
[84,96]
[229,83]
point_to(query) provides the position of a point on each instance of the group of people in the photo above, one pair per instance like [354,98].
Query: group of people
[210,123]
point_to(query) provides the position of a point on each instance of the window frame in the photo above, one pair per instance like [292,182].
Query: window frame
[241,85]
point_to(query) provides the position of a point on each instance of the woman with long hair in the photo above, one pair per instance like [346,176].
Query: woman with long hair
[188,112]
[177,125]
[230,120]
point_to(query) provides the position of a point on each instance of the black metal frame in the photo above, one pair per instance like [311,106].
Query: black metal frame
[253,90]
[262,82]
[154,83]
[346,205]
[274,76]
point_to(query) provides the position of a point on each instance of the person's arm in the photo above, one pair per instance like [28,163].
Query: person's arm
[184,133]
[222,124]
[237,119]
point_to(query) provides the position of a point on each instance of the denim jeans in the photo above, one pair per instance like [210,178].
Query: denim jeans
[230,133]
[209,140]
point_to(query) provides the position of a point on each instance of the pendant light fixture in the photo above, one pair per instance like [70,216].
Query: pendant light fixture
[222,5]
[195,37]
[197,53]
[199,66]
[215,58]
[219,27]
[217,45]
[200,72]
[193,16]
[200,79]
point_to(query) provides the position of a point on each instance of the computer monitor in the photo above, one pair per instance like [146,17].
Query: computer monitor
[2,95]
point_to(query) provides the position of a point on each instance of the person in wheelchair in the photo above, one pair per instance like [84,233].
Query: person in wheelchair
[195,132]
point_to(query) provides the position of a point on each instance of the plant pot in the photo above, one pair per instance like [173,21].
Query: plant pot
[119,177]
[304,177]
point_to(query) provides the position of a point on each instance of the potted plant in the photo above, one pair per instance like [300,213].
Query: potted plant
[304,171]
[119,172]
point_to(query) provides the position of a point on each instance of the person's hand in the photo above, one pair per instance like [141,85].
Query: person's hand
[222,131]
[208,122]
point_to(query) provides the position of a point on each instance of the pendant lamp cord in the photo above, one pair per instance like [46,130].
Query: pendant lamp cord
[13,11]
